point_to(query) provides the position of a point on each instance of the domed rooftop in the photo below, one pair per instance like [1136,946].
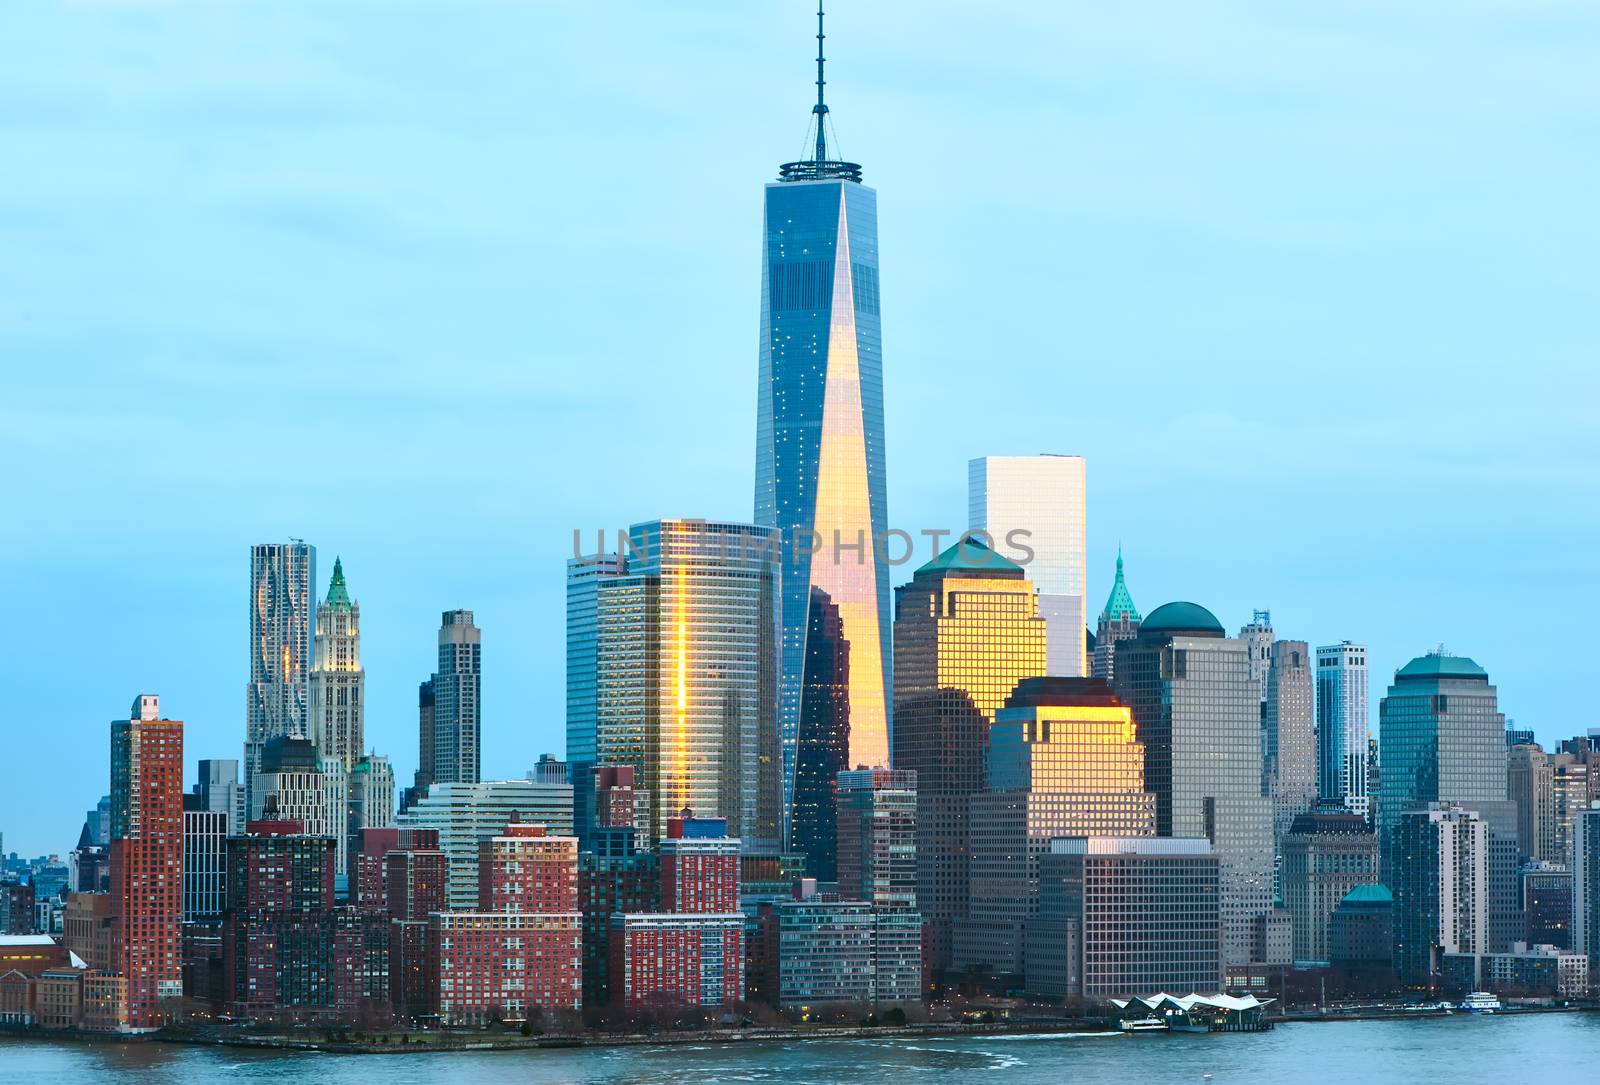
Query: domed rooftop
[1181,618]
[1441,664]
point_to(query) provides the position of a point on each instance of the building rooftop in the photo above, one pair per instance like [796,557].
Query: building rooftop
[1060,691]
[970,555]
[1368,895]
[1440,664]
[1120,602]
[1182,618]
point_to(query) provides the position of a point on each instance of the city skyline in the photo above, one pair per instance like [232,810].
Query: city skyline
[205,541]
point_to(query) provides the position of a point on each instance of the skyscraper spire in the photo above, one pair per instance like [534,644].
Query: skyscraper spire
[1120,602]
[821,108]
[338,595]
[819,167]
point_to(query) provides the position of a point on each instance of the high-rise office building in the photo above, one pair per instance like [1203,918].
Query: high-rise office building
[1441,889]
[1288,735]
[283,578]
[1342,728]
[1325,856]
[425,749]
[1119,915]
[147,857]
[1546,905]
[878,837]
[338,683]
[676,673]
[290,777]
[967,630]
[457,715]
[1573,781]
[1062,761]
[371,794]
[1119,621]
[1530,784]
[1040,502]
[1199,716]
[1258,638]
[1442,740]
[819,476]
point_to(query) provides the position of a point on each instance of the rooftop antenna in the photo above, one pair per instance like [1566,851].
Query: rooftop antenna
[821,108]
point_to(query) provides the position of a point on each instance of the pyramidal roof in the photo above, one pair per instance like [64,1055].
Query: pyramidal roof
[970,555]
[1120,602]
[338,595]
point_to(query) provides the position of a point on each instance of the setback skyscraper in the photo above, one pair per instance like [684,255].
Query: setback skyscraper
[967,630]
[457,714]
[1042,499]
[820,443]
[1288,735]
[1199,717]
[283,579]
[672,669]
[338,684]
[1442,740]
[1342,725]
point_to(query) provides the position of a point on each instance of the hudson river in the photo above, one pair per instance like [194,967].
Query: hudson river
[1457,1050]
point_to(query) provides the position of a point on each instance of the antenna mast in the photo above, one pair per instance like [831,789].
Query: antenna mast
[821,108]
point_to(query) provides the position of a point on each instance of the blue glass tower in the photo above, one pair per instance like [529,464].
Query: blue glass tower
[819,449]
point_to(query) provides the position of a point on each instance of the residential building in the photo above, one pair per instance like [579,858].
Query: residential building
[1441,890]
[1122,915]
[147,857]
[283,579]
[672,961]
[832,951]
[465,814]
[1586,886]
[877,829]
[1035,508]
[1342,727]
[673,672]
[1199,717]
[699,866]
[218,788]
[1573,784]
[1524,972]
[614,876]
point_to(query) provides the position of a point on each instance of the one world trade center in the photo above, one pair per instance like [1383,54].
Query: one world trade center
[820,477]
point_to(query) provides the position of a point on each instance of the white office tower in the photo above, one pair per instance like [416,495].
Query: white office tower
[1342,729]
[1038,502]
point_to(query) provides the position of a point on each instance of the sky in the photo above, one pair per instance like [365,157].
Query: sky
[430,285]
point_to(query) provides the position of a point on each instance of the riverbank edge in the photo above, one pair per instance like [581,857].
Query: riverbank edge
[432,1042]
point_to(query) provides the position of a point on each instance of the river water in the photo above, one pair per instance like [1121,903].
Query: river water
[1459,1050]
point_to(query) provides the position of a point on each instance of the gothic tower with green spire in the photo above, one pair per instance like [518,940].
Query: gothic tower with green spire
[1118,621]
[338,684]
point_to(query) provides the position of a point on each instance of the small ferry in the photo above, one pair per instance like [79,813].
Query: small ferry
[1144,1024]
[1479,1002]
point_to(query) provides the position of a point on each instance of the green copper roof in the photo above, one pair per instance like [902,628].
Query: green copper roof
[1182,617]
[1120,602]
[338,595]
[1441,665]
[970,555]
[1369,894]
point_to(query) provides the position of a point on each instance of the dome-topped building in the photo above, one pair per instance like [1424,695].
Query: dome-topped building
[1181,619]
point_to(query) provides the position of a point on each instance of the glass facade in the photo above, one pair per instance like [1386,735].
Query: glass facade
[820,446]
[672,658]
[1043,496]
[967,630]
[1342,727]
